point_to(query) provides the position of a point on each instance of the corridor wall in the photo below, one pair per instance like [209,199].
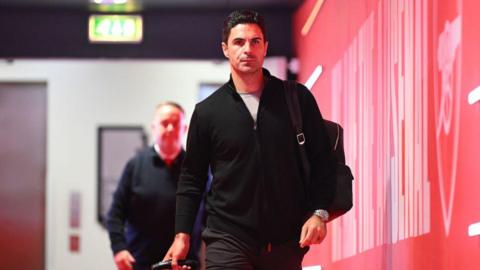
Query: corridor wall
[402,77]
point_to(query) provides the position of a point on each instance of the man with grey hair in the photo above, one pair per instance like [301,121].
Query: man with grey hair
[142,215]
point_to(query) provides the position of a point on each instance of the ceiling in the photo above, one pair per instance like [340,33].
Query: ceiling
[173,29]
[156,4]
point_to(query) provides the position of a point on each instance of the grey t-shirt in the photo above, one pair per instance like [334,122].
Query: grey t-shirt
[252,100]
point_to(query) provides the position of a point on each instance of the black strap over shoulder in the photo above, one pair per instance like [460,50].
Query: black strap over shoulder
[291,96]
[294,108]
[343,199]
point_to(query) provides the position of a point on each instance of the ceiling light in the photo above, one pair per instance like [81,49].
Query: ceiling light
[109,2]
[314,77]
[474,96]
[474,229]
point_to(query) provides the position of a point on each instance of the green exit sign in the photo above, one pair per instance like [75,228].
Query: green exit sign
[115,28]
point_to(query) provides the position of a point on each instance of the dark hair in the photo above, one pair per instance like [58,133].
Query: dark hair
[170,103]
[242,17]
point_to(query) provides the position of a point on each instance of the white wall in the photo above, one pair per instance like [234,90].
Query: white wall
[83,94]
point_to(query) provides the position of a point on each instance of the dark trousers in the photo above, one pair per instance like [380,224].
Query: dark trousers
[226,252]
[140,266]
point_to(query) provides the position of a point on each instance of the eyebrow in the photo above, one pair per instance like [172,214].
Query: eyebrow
[242,39]
[238,39]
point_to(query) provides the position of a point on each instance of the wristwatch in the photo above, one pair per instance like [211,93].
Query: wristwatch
[322,214]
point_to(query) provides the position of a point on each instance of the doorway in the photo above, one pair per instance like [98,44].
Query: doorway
[23,125]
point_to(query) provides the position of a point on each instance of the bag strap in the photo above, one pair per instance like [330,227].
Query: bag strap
[291,96]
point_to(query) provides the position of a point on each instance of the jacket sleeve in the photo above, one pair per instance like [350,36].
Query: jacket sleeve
[194,175]
[117,214]
[319,152]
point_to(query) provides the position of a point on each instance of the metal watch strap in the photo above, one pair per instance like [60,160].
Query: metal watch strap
[322,214]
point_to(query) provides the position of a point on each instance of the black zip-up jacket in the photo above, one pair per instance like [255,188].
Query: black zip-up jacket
[257,193]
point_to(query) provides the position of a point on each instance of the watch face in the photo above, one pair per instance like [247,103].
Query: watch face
[322,214]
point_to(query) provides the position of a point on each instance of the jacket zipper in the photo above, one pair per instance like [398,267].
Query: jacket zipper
[265,206]
[263,186]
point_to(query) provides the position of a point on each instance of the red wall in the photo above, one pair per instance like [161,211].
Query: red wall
[396,75]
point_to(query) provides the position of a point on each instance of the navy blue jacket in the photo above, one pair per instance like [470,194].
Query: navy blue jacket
[142,215]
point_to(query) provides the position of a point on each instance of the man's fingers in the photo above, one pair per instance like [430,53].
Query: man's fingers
[322,233]
[318,235]
[128,264]
[317,239]
[130,258]
[308,237]
[303,234]
[123,259]
[175,263]
[125,265]
[313,232]
[168,256]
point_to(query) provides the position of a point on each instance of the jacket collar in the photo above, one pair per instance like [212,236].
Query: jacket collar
[231,86]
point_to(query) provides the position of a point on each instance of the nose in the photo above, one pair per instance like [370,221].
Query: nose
[247,47]
[169,127]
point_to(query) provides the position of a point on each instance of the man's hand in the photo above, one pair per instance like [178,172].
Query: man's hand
[123,260]
[313,231]
[178,250]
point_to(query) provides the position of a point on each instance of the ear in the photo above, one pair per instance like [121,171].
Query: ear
[225,49]
[266,48]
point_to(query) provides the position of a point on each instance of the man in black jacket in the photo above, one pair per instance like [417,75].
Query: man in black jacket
[141,219]
[260,214]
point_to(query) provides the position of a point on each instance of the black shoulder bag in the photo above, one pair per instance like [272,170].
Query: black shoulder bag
[343,198]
